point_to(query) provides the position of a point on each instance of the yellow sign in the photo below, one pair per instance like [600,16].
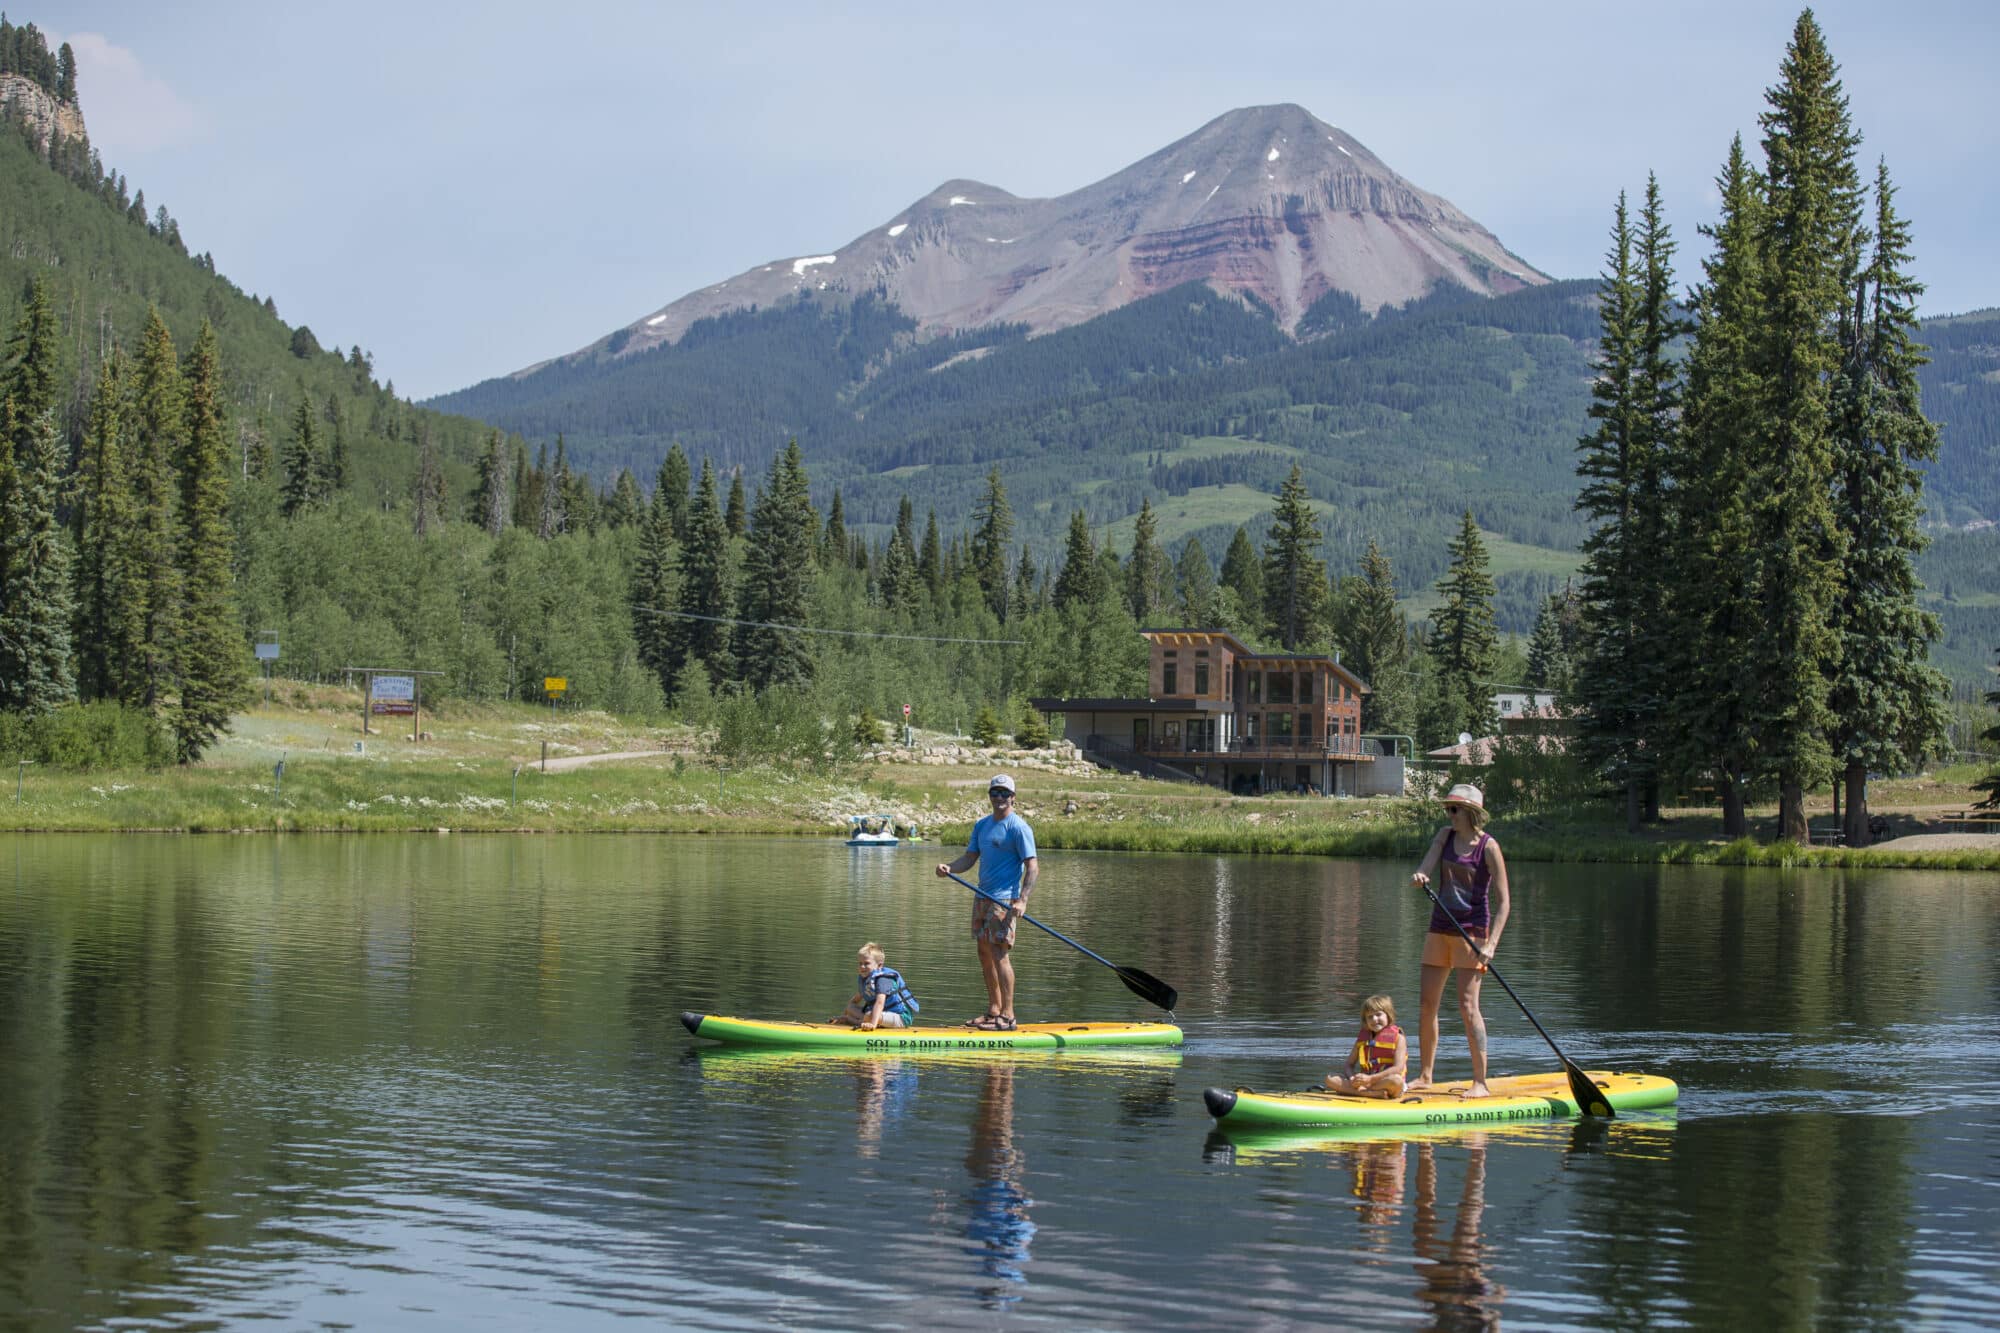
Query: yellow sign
[555,684]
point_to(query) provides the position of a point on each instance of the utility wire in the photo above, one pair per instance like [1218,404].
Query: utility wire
[807,629]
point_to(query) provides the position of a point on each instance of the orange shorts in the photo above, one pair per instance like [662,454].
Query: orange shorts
[1441,950]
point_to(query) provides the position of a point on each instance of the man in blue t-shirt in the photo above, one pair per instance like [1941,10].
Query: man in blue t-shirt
[1003,846]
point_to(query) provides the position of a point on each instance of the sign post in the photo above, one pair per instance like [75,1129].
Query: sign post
[555,687]
[909,736]
[267,653]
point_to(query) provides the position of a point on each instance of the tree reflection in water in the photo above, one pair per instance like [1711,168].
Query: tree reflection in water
[1455,1289]
[998,1225]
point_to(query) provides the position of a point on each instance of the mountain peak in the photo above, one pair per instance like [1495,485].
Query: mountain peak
[1268,201]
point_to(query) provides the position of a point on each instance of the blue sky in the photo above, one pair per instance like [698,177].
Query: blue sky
[466,191]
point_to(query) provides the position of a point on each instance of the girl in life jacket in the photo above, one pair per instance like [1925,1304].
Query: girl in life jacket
[883,999]
[1379,1061]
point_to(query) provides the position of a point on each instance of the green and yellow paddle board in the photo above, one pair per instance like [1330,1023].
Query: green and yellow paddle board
[1514,1097]
[927,1040]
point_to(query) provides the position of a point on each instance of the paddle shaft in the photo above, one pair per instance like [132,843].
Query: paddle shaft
[1147,987]
[1578,1080]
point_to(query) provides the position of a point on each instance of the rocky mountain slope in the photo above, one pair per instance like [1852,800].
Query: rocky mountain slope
[1269,202]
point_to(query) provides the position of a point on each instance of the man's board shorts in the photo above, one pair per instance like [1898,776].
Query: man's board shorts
[1448,950]
[993,923]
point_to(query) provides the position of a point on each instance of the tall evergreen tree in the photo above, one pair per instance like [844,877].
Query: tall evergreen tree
[1026,598]
[626,507]
[737,516]
[158,420]
[1294,574]
[992,538]
[1377,645]
[1621,682]
[303,482]
[334,469]
[210,665]
[1194,586]
[900,585]
[553,520]
[35,605]
[705,594]
[1812,245]
[930,558]
[527,488]
[1146,569]
[1549,664]
[1464,641]
[1712,599]
[1886,699]
[906,525]
[427,497]
[1080,581]
[1243,576]
[777,578]
[833,543]
[108,630]
[492,506]
[656,590]
[676,479]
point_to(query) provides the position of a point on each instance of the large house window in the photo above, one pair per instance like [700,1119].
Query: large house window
[1201,678]
[1305,687]
[1253,682]
[1305,728]
[1169,679]
[1279,686]
[1281,728]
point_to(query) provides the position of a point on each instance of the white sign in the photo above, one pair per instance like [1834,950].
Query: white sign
[267,652]
[393,694]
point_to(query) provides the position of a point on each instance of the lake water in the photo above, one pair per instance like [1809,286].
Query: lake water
[416,1081]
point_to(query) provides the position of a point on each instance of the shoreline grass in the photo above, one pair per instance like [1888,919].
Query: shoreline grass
[473,773]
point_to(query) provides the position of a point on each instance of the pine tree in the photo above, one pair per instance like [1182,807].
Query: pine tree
[1294,575]
[527,489]
[906,525]
[492,506]
[1549,665]
[626,508]
[704,592]
[930,559]
[33,366]
[158,421]
[1146,570]
[1811,244]
[656,590]
[986,727]
[1712,597]
[1080,581]
[901,587]
[1621,683]
[35,605]
[1886,699]
[1027,595]
[1463,638]
[992,537]
[1377,646]
[553,520]
[303,475]
[1243,575]
[737,515]
[427,497]
[1194,586]
[107,628]
[1990,784]
[777,578]
[676,479]
[333,472]
[833,543]
[210,665]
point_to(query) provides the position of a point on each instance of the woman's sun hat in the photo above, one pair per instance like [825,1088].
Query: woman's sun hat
[1467,795]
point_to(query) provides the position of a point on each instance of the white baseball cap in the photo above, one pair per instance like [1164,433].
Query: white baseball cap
[1001,782]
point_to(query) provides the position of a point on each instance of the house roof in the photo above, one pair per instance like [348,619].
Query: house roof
[1309,661]
[1049,705]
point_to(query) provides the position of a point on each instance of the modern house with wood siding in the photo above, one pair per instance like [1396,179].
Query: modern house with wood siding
[1220,714]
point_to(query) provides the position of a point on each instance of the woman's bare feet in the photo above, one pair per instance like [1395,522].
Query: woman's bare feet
[1477,1090]
[1422,1083]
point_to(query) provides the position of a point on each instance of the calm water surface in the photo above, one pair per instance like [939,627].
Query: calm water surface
[418,1081]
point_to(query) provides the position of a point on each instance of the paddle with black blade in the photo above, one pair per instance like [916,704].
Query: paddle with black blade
[1148,988]
[1590,1099]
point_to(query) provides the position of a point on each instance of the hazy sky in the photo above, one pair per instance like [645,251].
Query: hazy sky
[465,190]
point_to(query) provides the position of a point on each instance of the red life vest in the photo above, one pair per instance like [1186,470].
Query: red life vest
[1374,1052]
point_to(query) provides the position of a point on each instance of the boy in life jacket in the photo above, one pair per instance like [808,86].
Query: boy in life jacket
[1380,1060]
[883,1000]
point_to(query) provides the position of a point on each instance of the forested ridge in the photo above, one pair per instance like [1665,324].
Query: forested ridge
[1014,507]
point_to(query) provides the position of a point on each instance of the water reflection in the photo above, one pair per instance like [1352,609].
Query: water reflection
[999,1226]
[1455,1289]
[883,1091]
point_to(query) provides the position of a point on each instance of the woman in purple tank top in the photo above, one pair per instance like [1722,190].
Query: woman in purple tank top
[1471,890]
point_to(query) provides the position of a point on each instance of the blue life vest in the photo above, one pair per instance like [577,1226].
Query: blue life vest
[889,982]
